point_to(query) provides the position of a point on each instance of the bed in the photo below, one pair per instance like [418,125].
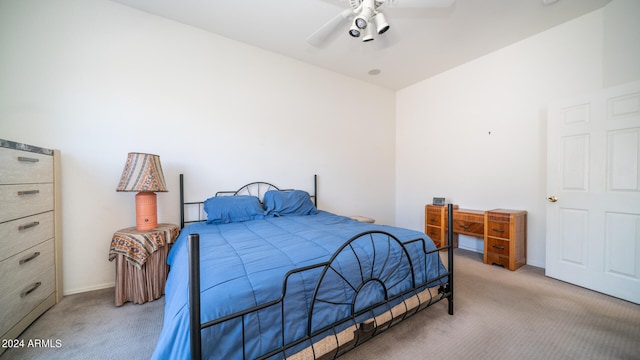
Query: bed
[261,273]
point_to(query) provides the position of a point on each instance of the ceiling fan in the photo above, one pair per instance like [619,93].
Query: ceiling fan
[367,19]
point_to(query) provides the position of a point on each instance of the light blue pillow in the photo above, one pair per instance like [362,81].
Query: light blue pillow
[229,209]
[288,202]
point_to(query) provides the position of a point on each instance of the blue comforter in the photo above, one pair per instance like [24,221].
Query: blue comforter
[243,265]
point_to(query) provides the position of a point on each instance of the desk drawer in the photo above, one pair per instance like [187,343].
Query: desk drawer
[498,229]
[435,233]
[20,167]
[433,218]
[24,200]
[497,259]
[469,228]
[498,246]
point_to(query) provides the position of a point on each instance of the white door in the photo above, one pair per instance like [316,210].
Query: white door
[593,189]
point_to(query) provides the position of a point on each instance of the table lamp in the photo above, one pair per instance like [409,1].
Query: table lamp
[143,173]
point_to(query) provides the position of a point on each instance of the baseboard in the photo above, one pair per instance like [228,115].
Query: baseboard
[536,264]
[90,288]
[469,249]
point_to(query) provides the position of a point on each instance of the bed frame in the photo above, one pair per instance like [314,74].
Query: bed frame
[396,308]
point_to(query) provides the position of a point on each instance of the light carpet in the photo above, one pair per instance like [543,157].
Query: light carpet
[499,314]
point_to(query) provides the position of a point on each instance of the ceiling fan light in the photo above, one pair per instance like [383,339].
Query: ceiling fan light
[369,33]
[364,17]
[354,31]
[381,23]
[360,22]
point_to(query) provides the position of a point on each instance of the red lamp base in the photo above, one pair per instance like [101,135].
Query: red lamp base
[146,211]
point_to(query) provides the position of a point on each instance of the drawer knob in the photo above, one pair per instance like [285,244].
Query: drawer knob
[29,258]
[29,225]
[27,159]
[30,289]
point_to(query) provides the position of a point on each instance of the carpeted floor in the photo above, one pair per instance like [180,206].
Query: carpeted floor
[499,314]
[90,326]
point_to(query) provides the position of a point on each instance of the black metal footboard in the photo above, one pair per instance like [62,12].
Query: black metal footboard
[387,280]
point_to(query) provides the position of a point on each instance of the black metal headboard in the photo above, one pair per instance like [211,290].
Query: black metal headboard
[256,188]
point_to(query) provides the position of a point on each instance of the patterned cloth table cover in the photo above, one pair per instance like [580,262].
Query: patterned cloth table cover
[141,262]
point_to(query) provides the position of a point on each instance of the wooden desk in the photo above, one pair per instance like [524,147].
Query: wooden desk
[503,232]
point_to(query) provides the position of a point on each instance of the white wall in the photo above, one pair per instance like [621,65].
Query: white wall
[477,134]
[621,44]
[97,80]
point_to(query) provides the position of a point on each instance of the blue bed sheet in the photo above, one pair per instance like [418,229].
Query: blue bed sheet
[243,265]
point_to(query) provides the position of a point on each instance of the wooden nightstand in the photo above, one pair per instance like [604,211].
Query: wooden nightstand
[505,238]
[141,262]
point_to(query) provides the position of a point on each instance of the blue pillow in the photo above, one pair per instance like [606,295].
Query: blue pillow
[288,202]
[228,209]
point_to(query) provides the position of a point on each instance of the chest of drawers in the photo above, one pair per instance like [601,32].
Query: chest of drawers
[30,276]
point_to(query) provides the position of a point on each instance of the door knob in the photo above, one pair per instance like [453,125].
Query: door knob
[552,198]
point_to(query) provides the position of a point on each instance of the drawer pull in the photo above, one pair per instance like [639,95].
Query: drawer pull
[27,159]
[30,289]
[498,230]
[464,226]
[29,225]
[28,192]
[27,259]
[498,247]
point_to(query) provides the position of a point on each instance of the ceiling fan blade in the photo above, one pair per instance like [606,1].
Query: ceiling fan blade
[322,35]
[419,3]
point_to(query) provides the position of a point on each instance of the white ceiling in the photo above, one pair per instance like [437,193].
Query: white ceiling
[421,42]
